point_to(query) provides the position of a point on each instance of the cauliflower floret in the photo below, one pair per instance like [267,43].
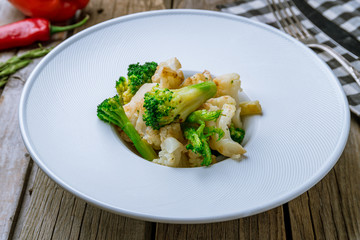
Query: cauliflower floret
[133,108]
[195,159]
[230,84]
[226,146]
[172,153]
[197,78]
[217,103]
[172,130]
[151,136]
[172,149]
[168,74]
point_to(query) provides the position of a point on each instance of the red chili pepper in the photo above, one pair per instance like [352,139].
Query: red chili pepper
[54,10]
[28,31]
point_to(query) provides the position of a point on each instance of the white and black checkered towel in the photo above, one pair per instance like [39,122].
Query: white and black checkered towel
[346,16]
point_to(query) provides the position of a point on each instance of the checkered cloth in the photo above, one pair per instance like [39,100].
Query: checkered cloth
[346,15]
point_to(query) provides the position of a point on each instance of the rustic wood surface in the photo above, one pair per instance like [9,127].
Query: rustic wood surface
[32,206]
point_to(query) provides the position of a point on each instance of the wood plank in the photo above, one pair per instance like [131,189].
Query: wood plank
[57,214]
[168,4]
[269,224]
[300,218]
[200,4]
[52,213]
[101,11]
[8,13]
[331,209]
[14,160]
[23,206]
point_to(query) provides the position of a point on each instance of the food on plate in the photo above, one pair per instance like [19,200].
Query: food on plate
[237,134]
[137,76]
[111,110]
[197,78]
[179,122]
[229,85]
[226,145]
[164,106]
[198,134]
[168,74]
[250,107]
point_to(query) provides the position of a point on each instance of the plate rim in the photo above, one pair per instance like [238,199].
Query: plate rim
[276,202]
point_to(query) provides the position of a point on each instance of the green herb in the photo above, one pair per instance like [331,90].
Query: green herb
[16,63]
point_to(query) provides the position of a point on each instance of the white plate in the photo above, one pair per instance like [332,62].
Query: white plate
[297,140]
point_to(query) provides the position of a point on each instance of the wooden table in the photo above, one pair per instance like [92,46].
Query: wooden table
[34,207]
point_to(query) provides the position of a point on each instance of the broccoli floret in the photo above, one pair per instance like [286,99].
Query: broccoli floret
[201,116]
[237,134]
[210,131]
[198,144]
[122,87]
[137,75]
[140,74]
[164,106]
[198,135]
[112,111]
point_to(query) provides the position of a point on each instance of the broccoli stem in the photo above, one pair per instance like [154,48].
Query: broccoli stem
[145,150]
[201,116]
[112,111]
[192,97]
[164,106]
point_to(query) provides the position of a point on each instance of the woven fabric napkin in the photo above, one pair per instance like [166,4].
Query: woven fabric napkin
[258,10]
